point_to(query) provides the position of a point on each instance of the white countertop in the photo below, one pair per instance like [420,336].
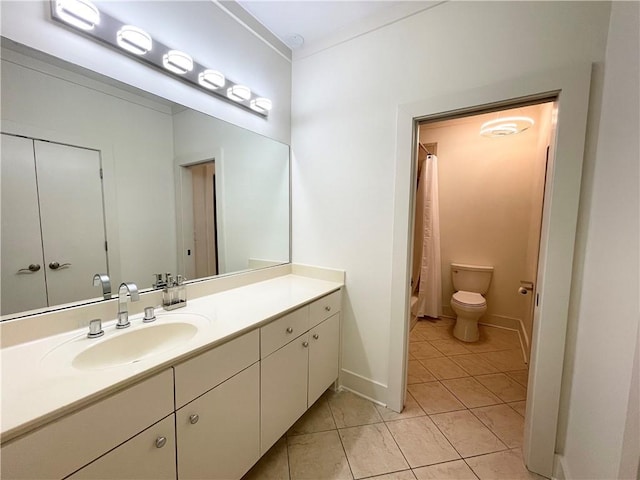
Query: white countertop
[39,385]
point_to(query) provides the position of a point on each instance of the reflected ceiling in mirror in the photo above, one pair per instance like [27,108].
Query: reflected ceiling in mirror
[99,177]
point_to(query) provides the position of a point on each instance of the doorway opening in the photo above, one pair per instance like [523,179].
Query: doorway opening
[201,244]
[490,194]
[482,207]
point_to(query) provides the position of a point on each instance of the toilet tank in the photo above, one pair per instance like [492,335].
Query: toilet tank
[471,278]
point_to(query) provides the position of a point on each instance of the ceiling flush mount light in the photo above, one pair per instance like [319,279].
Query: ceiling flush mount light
[211,79]
[134,40]
[78,13]
[239,93]
[84,17]
[261,105]
[501,127]
[177,62]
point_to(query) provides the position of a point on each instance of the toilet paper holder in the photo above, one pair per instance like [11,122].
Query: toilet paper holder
[525,287]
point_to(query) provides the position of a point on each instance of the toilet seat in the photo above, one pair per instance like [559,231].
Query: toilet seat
[469,299]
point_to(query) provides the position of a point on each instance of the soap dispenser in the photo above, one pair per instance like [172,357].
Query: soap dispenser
[174,294]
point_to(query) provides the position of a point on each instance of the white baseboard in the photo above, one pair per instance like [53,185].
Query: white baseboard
[510,324]
[501,322]
[364,387]
[559,468]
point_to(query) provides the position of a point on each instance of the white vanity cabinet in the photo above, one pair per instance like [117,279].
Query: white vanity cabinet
[210,416]
[297,369]
[324,349]
[63,446]
[150,455]
[218,431]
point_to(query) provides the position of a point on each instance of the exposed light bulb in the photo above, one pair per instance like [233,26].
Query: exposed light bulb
[211,79]
[262,105]
[177,62]
[80,13]
[239,93]
[134,40]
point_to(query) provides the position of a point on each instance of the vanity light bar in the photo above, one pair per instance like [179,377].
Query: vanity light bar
[134,40]
[85,18]
[177,62]
[81,14]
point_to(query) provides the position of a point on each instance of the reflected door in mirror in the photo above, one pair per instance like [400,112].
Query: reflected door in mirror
[52,211]
[202,261]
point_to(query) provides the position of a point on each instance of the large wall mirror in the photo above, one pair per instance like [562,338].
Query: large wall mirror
[98,177]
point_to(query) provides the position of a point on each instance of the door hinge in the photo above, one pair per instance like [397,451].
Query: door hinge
[537,299]
[106,246]
[101,174]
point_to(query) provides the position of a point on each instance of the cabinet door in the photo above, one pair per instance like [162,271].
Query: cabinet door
[283,390]
[72,219]
[324,344]
[148,455]
[219,432]
[21,243]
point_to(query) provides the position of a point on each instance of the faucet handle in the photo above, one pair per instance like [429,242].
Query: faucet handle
[95,328]
[149,315]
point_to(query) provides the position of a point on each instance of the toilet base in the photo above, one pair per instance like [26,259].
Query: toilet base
[466,330]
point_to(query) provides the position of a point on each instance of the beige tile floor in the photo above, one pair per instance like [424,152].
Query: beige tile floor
[463,419]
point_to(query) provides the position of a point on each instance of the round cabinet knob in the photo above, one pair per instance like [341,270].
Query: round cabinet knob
[305,344]
[193,419]
[289,330]
[316,336]
[327,308]
[161,442]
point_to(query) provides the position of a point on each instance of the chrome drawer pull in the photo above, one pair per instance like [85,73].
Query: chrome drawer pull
[305,344]
[161,442]
[289,330]
[316,336]
[193,419]
[327,308]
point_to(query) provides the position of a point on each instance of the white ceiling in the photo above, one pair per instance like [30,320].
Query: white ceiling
[318,21]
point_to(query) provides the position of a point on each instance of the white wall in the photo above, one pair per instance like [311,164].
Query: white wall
[252,177]
[603,330]
[344,133]
[134,136]
[488,207]
[202,28]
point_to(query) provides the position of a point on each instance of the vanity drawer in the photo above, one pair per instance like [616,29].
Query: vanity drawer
[324,307]
[63,446]
[202,373]
[281,331]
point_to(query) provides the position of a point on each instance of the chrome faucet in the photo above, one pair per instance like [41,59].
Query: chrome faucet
[126,290]
[103,279]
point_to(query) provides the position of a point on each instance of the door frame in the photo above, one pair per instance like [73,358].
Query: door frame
[182,229]
[570,86]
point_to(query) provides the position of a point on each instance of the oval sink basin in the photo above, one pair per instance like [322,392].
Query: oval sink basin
[130,347]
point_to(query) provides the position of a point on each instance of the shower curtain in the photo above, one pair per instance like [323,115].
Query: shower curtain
[426,272]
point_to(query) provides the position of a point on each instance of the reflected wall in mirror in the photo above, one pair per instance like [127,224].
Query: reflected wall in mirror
[98,177]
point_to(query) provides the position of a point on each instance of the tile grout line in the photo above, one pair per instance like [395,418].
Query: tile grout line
[502,402]
[397,445]
[344,450]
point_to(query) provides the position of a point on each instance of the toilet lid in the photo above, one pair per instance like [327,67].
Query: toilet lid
[469,298]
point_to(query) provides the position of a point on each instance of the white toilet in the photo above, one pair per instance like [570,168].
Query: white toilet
[470,282]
